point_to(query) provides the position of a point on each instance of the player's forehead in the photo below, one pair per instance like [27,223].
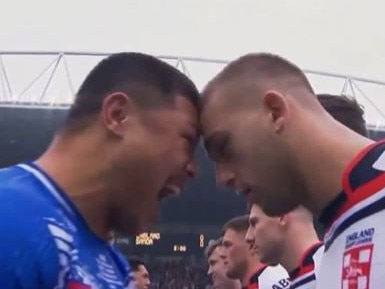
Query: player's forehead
[223,105]
[142,269]
[256,211]
[215,255]
[186,110]
[181,116]
[211,113]
[217,122]
[231,236]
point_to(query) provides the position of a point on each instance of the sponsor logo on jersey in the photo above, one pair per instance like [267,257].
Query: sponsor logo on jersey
[359,237]
[357,259]
[282,284]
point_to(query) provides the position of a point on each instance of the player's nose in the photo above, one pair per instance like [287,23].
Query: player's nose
[192,168]
[224,177]
[249,237]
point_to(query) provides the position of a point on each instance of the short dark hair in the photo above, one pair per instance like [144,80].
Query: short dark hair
[135,262]
[212,245]
[260,66]
[150,81]
[239,224]
[346,110]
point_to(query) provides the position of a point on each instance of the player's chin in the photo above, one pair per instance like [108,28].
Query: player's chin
[137,225]
[278,208]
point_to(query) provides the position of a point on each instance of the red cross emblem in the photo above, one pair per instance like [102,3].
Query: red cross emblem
[356,267]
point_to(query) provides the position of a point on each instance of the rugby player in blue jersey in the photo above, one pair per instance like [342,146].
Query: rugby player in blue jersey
[128,141]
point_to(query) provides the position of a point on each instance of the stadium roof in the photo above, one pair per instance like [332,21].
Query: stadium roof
[51,78]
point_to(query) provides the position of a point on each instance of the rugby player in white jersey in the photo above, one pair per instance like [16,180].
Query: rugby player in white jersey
[289,240]
[272,140]
[242,263]
[276,239]
[216,267]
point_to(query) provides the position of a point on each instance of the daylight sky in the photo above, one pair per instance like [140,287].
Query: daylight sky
[337,36]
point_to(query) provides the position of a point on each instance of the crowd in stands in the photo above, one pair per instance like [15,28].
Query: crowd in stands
[176,275]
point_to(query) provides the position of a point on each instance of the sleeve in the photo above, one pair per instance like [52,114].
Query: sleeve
[274,277]
[27,257]
[124,267]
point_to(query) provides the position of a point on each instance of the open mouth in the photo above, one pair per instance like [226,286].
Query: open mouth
[169,191]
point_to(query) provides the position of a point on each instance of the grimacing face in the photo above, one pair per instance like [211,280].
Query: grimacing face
[235,252]
[217,269]
[154,160]
[265,235]
[248,154]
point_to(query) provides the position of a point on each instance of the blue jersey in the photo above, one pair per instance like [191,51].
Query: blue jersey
[44,241]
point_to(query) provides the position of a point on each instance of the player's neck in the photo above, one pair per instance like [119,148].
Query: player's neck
[322,159]
[81,177]
[251,269]
[232,284]
[236,284]
[295,247]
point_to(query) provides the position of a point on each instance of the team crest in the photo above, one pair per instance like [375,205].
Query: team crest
[357,260]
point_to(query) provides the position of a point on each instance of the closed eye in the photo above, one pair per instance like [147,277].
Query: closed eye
[191,142]
[253,221]
[217,146]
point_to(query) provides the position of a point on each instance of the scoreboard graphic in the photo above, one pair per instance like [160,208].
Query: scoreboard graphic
[165,243]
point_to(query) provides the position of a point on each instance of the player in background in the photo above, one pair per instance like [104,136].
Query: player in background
[242,262]
[128,141]
[272,140]
[346,110]
[216,267]
[139,274]
[289,240]
[276,238]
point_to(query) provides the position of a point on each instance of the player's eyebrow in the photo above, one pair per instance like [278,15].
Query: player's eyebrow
[196,132]
[215,140]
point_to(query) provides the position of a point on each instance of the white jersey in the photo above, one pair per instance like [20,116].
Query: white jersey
[269,277]
[354,256]
[306,274]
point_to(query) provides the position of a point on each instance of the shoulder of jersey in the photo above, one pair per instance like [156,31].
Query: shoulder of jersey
[274,277]
[22,205]
[308,273]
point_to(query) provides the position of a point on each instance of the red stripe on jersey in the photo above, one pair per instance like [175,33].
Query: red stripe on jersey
[252,286]
[254,280]
[360,194]
[304,269]
[352,164]
[77,285]
[307,251]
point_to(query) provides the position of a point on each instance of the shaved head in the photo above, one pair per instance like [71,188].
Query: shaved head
[253,112]
[253,74]
[269,136]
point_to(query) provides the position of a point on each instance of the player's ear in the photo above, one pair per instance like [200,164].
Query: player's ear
[118,109]
[283,220]
[276,106]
